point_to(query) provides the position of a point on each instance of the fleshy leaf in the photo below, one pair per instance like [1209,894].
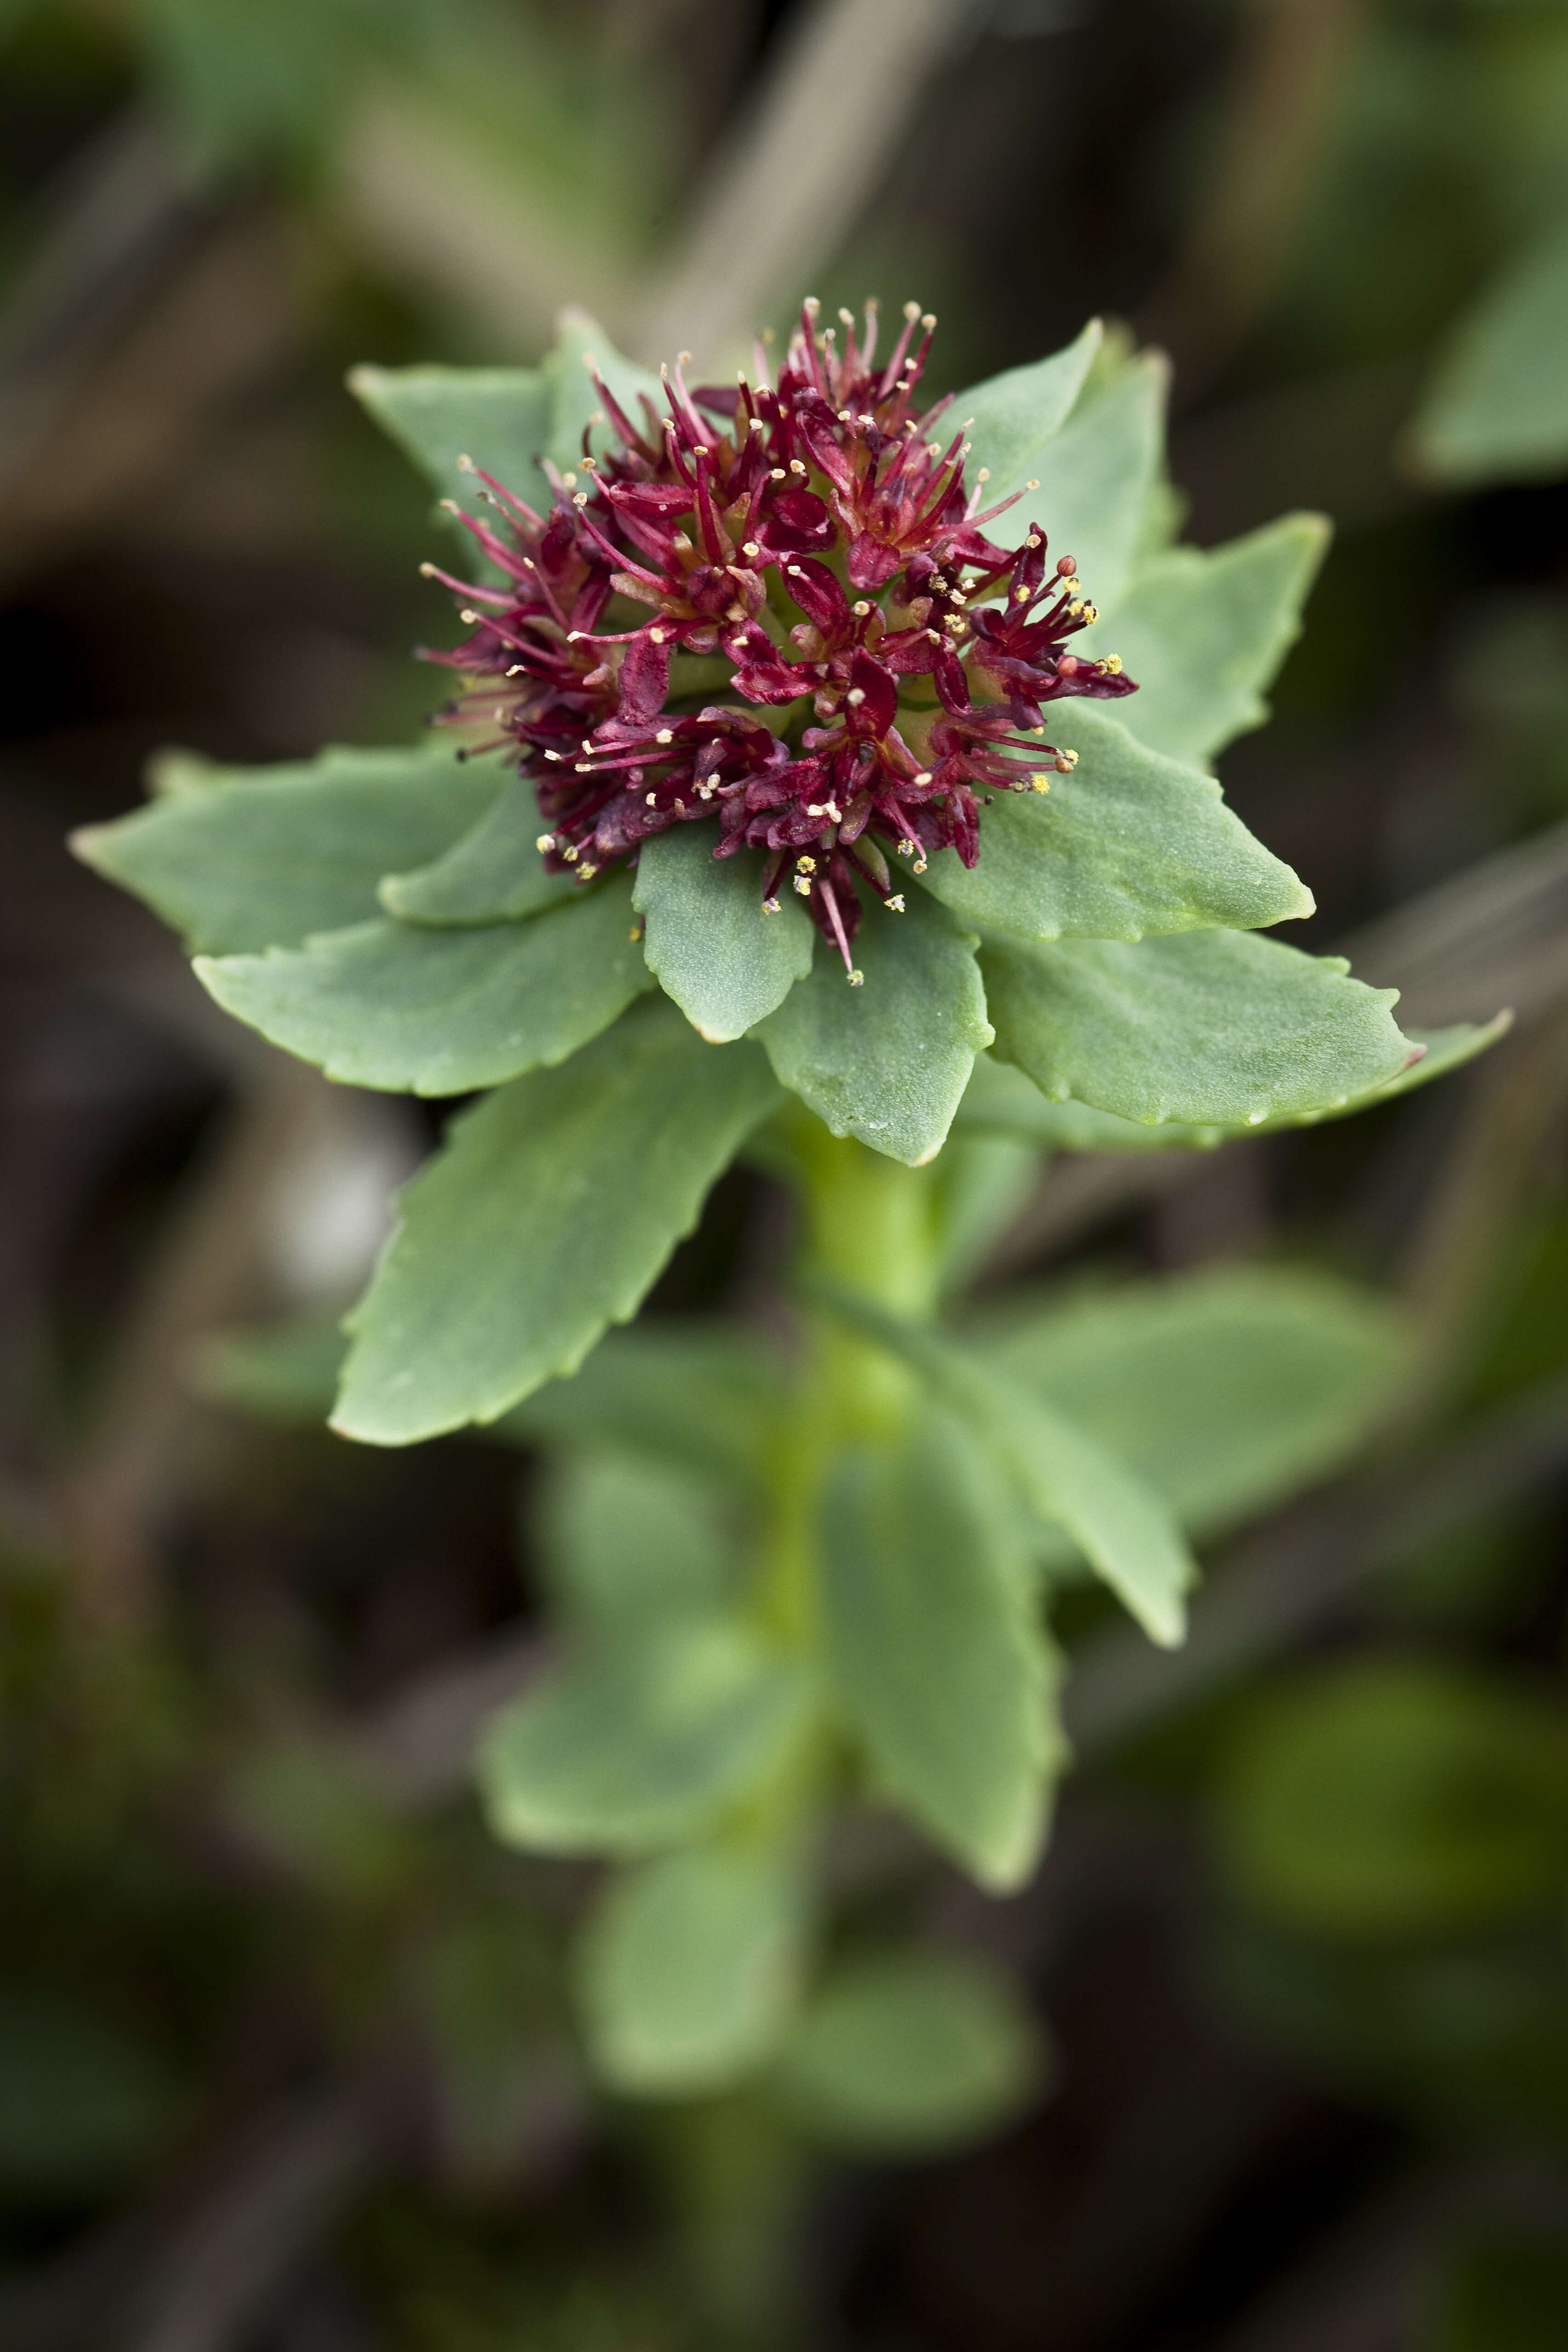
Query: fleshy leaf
[704,1394]
[576,402]
[1204,631]
[546,1216]
[628,1543]
[1131,845]
[1497,410]
[888,1061]
[1063,1474]
[1097,476]
[1217,1026]
[501,417]
[1015,414]
[264,858]
[1226,1389]
[933,1650]
[493,874]
[642,1745]
[726,962]
[909,2052]
[1002,1101]
[691,1970]
[440,1013]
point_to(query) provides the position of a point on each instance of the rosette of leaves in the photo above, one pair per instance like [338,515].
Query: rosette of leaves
[752,840]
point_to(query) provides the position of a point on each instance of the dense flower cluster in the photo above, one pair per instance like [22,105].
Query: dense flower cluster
[777,607]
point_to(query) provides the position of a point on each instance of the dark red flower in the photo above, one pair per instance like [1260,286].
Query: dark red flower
[775,606]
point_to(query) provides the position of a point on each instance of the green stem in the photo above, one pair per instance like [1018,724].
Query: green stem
[871,1225]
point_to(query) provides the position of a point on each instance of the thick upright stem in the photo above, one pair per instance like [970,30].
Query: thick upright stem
[870,1226]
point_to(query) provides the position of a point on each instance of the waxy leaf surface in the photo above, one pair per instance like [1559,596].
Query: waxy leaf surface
[1208,1026]
[546,1216]
[1227,1391]
[933,1649]
[1016,414]
[1204,631]
[1061,1472]
[627,1542]
[501,417]
[1002,1101]
[1132,844]
[640,1745]
[263,857]
[493,874]
[691,1970]
[391,1005]
[888,1061]
[726,962]
[1097,476]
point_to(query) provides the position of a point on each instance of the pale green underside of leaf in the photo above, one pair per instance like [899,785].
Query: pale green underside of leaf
[546,1216]
[1498,407]
[1016,412]
[1063,1474]
[627,1542]
[1203,632]
[931,1648]
[407,1010]
[501,417]
[638,1747]
[1097,476]
[910,2050]
[266,856]
[493,874]
[691,1970]
[705,1394]
[1130,845]
[1210,1026]
[886,1062]
[1227,1391]
[1002,1101]
[725,961]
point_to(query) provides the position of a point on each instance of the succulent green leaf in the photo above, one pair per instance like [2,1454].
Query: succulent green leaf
[260,858]
[1389,1797]
[1016,414]
[725,961]
[1497,410]
[1131,845]
[1203,632]
[705,1395]
[1227,1391]
[500,417]
[1063,1474]
[887,1061]
[492,874]
[932,1651]
[576,404]
[641,1744]
[1001,1101]
[691,1970]
[904,2053]
[628,1542]
[440,1013]
[1217,1026]
[546,1216]
[1097,478]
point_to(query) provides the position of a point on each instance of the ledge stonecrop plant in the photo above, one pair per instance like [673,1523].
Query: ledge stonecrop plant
[789,816]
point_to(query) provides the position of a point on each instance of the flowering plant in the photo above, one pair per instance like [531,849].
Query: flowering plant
[764,835]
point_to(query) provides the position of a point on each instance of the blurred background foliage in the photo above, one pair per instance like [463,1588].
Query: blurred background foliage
[287,2060]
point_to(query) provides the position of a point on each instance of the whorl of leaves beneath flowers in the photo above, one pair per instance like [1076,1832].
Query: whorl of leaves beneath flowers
[811,550]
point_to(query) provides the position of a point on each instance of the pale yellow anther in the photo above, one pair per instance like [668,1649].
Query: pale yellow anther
[857,980]
[861,610]
[466,465]
[568,481]
[770,906]
[896,904]
[912,311]
[665,735]
[1040,783]
[545,842]
[806,864]
[804,884]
